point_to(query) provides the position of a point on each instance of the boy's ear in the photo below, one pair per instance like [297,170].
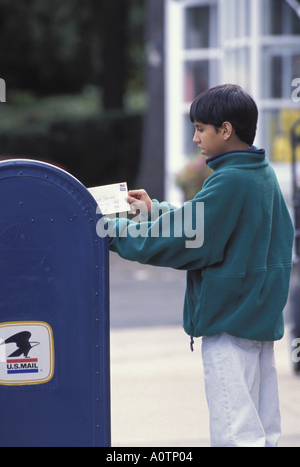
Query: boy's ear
[227,130]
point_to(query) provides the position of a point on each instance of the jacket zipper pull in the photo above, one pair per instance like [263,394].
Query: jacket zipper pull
[192,344]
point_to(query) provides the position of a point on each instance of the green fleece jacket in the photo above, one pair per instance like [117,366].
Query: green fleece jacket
[238,277]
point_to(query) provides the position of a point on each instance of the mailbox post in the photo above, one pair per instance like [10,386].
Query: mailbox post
[54,311]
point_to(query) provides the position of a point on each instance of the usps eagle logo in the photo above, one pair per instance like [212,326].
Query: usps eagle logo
[26,353]
[21,365]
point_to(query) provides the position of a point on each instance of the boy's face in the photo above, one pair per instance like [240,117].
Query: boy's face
[209,140]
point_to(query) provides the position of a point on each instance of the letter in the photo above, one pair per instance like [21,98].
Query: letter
[109,458]
[137,458]
[137,229]
[2,90]
[162,226]
[102,232]
[296,352]
[191,217]
[177,223]
[296,92]
[100,228]
[161,222]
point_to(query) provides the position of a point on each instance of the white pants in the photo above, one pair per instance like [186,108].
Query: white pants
[242,392]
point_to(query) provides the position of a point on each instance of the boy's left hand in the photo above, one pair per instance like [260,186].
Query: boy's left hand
[139,200]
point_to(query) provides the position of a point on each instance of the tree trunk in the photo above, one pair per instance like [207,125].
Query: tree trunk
[115,15]
[151,176]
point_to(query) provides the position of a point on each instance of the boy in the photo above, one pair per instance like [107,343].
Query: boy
[238,278]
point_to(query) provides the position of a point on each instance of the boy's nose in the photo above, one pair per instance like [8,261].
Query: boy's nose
[196,138]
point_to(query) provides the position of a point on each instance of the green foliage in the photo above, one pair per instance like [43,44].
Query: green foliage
[54,47]
[43,43]
[23,109]
[192,177]
[136,46]
[96,148]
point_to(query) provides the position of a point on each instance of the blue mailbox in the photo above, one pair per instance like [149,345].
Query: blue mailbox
[54,311]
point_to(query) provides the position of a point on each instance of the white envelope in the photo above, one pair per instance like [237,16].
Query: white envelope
[111,198]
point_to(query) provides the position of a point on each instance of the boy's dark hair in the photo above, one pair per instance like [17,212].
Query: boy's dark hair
[227,103]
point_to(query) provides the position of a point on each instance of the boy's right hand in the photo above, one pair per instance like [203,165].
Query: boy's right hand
[139,200]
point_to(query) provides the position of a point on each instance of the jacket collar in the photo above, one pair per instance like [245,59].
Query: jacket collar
[253,158]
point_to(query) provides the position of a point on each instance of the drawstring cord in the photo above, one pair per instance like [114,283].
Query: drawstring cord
[192,344]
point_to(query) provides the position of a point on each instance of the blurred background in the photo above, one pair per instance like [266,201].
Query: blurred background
[103,88]
[75,74]
[253,43]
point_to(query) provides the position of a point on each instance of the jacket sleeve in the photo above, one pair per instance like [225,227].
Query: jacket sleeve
[168,237]
[191,237]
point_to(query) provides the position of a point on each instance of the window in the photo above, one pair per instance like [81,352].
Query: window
[281,67]
[196,78]
[190,147]
[276,126]
[253,43]
[197,27]
[201,68]
[283,18]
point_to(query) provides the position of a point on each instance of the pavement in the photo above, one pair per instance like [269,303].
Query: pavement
[157,387]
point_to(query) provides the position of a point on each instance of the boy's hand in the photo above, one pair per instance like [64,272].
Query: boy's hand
[139,200]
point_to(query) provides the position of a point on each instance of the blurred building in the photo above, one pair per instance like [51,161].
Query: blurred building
[253,43]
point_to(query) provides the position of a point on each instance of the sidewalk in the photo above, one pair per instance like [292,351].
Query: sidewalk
[158,397]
